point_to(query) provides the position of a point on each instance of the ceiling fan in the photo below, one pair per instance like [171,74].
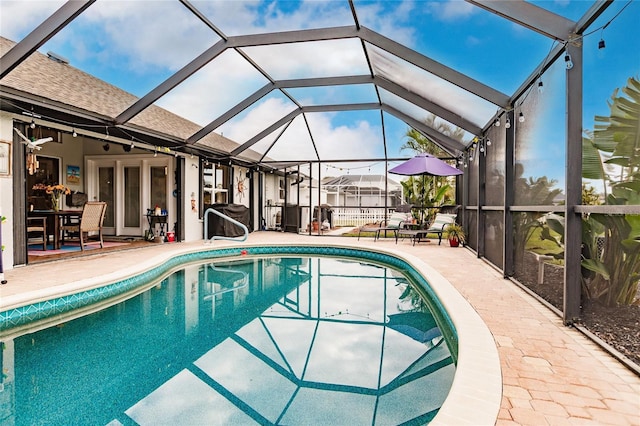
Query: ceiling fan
[33,144]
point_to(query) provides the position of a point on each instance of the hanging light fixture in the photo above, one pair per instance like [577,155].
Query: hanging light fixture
[567,60]
[521,117]
[601,44]
[33,124]
[540,87]
[497,122]
[74,134]
[507,125]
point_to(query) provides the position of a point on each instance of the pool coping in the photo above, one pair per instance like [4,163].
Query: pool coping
[477,385]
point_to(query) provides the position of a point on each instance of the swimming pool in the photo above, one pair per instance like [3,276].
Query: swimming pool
[358,387]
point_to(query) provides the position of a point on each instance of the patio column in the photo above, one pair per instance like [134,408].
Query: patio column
[573,188]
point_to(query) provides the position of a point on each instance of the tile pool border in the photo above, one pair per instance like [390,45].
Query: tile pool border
[477,385]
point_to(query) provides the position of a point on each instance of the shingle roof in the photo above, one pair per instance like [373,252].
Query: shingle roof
[40,76]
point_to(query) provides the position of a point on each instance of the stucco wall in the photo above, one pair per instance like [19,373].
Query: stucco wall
[193,225]
[6,199]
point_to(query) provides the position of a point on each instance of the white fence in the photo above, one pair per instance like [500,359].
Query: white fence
[358,216]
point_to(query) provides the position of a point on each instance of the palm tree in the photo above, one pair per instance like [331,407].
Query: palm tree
[618,268]
[611,243]
[437,190]
[419,143]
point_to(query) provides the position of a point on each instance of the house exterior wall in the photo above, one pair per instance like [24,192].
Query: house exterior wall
[6,195]
[193,223]
[272,189]
[74,151]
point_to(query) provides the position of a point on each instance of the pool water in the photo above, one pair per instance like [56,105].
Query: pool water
[288,340]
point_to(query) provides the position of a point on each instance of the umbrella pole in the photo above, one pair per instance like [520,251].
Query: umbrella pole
[422,202]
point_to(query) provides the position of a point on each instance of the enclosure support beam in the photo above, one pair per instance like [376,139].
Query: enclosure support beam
[310,218]
[482,191]
[573,187]
[509,196]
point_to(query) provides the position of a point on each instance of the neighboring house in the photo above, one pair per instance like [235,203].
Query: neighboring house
[362,191]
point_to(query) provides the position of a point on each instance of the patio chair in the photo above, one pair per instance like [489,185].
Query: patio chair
[440,223]
[38,225]
[90,221]
[438,227]
[449,209]
[395,223]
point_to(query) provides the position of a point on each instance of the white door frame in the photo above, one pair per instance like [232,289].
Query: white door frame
[119,162]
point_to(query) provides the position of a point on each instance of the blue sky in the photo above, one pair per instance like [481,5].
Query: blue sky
[136,45]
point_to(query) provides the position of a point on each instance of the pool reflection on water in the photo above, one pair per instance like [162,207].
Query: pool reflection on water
[308,340]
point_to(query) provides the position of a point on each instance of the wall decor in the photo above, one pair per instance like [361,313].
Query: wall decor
[5,158]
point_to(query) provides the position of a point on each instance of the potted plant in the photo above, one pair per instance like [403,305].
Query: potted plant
[455,234]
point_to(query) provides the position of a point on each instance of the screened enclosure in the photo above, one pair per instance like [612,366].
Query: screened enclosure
[537,102]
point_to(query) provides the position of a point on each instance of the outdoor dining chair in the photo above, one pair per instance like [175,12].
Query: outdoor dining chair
[38,225]
[91,221]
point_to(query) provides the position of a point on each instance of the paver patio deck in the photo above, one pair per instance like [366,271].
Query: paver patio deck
[552,374]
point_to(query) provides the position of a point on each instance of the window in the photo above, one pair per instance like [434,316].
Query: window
[281,192]
[215,184]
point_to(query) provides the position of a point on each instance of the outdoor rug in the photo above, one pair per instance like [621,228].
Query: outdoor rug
[36,249]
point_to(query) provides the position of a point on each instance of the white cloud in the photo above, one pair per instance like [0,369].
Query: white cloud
[21,17]
[261,116]
[358,140]
[165,35]
[311,59]
[452,10]
[473,41]
[253,17]
[213,89]
[393,19]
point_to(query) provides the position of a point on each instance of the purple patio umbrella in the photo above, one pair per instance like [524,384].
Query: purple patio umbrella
[425,164]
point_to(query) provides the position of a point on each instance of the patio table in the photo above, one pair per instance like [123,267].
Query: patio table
[54,219]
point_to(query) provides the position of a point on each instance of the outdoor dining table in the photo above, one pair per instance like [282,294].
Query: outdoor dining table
[55,220]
